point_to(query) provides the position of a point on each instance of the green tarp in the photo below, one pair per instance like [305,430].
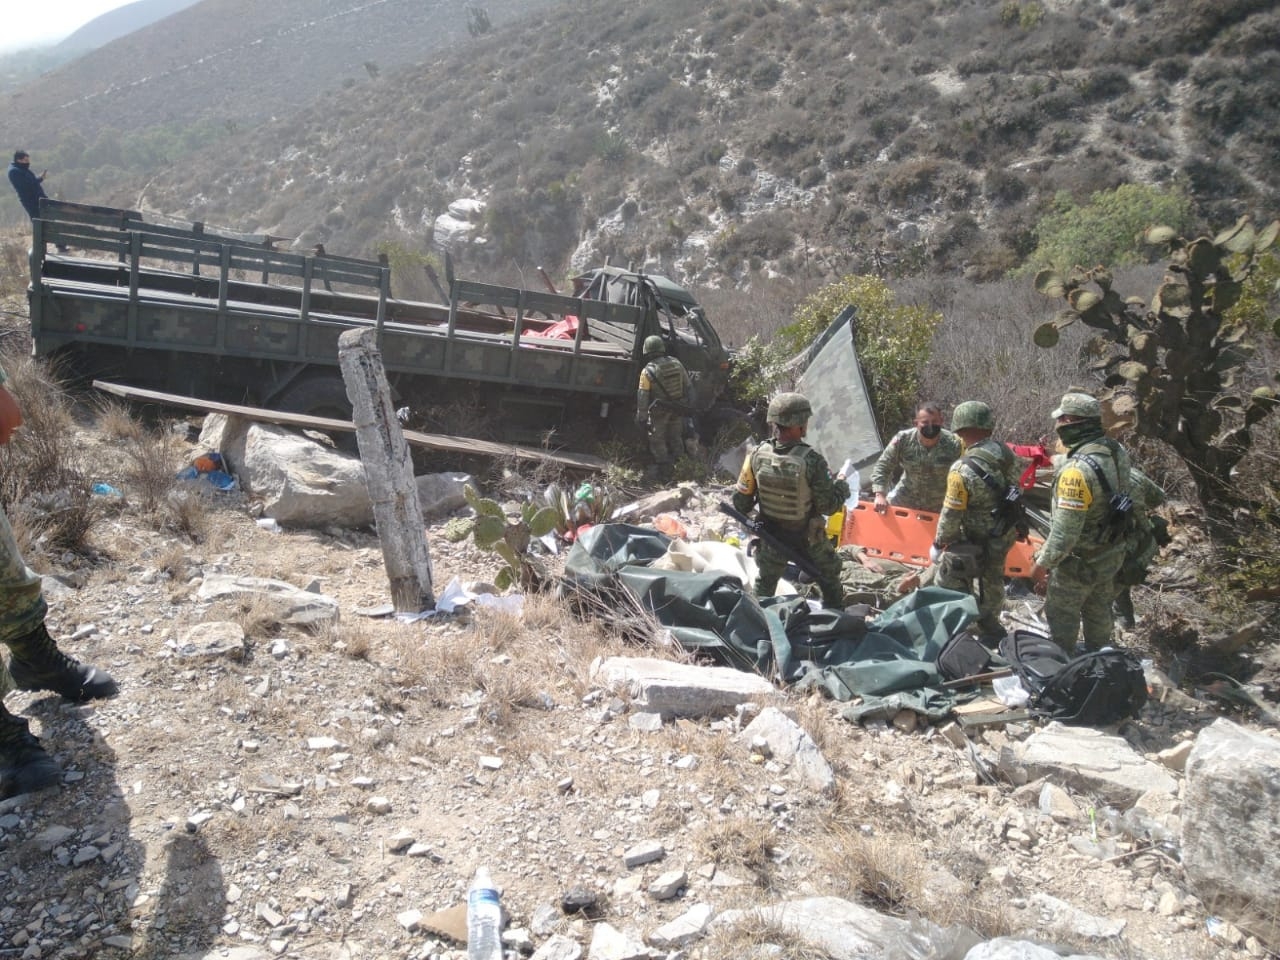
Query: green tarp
[783,638]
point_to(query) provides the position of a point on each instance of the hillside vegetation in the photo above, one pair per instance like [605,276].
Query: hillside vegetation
[118,114]
[807,138]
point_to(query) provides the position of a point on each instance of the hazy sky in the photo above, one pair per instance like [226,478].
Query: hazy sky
[25,23]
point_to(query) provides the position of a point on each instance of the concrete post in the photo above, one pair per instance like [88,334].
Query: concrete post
[388,472]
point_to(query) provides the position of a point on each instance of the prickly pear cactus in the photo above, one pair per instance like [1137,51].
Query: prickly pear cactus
[509,538]
[1174,369]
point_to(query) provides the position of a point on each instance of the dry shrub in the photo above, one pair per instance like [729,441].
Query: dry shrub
[757,937]
[891,873]
[742,842]
[43,486]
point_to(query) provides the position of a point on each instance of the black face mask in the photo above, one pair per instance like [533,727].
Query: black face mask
[1082,431]
[930,430]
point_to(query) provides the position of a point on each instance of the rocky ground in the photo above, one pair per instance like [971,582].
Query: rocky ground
[325,792]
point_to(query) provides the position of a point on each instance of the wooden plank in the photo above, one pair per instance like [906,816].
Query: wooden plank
[433,441]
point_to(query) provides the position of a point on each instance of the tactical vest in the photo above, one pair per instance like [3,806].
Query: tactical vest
[667,376]
[1115,522]
[782,484]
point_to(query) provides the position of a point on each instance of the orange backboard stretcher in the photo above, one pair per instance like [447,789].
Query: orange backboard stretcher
[905,535]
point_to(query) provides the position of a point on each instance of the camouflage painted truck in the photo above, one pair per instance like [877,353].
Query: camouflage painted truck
[223,316]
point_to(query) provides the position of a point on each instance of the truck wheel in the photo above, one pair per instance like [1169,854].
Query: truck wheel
[317,397]
[322,397]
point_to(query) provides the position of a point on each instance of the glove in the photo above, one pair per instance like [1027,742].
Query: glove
[935,553]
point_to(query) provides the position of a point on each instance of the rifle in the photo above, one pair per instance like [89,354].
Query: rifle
[784,549]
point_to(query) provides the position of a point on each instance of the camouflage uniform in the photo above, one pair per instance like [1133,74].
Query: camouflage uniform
[22,606]
[966,518]
[1151,533]
[662,402]
[795,490]
[35,662]
[924,469]
[1080,553]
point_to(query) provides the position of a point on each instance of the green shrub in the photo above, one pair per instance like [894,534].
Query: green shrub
[1105,230]
[892,339]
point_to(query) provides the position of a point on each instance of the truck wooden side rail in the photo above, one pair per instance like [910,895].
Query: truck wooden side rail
[174,308]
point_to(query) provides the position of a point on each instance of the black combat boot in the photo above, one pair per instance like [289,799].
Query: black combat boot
[37,664]
[24,766]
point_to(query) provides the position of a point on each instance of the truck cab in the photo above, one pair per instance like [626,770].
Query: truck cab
[672,313]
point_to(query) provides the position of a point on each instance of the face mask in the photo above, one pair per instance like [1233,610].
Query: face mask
[930,430]
[1074,434]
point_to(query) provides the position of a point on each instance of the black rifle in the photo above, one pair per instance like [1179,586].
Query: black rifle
[780,546]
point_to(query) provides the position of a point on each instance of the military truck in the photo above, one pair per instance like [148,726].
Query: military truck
[224,316]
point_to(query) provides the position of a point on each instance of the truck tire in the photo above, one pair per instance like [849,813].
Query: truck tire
[316,397]
[322,396]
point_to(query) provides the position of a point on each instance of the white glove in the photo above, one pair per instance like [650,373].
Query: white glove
[934,553]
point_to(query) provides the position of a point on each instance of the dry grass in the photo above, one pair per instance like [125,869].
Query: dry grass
[740,842]
[757,938]
[888,871]
[44,487]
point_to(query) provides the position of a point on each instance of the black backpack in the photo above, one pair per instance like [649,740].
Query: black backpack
[1094,689]
[963,655]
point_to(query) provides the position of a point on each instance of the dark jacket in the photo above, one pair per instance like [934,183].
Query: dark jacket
[29,188]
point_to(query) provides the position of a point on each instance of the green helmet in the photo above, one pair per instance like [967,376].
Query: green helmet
[653,345]
[789,410]
[1078,405]
[972,414]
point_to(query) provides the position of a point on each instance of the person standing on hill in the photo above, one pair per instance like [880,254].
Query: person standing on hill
[662,403]
[921,455]
[1089,527]
[28,186]
[794,488]
[35,662]
[978,523]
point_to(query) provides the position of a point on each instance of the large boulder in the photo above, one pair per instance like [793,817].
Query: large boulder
[1231,827]
[303,483]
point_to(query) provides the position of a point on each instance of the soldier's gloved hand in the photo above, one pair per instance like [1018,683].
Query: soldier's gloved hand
[935,553]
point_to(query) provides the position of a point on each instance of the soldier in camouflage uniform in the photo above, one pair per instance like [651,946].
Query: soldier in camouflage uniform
[971,542]
[1150,534]
[35,662]
[662,404]
[923,454]
[1083,552]
[795,490]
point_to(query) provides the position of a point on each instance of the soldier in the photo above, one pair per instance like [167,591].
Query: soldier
[795,491]
[1151,532]
[1088,527]
[923,453]
[35,662]
[978,523]
[662,403]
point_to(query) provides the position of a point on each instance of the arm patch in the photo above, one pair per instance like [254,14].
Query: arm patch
[1071,492]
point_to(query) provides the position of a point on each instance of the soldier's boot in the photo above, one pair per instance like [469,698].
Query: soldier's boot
[24,765]
[36,663]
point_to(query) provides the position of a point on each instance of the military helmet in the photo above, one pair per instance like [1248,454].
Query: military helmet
[789,410]
[972,414]
[653,345]
[1078,405]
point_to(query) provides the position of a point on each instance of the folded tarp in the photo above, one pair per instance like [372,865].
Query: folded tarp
[787,638]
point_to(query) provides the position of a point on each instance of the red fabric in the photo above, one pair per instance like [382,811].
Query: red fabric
[566,329]
[1038,456]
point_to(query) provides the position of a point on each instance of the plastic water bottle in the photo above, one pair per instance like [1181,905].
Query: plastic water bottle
[484,918]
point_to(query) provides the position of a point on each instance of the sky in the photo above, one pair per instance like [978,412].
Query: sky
[30,23]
